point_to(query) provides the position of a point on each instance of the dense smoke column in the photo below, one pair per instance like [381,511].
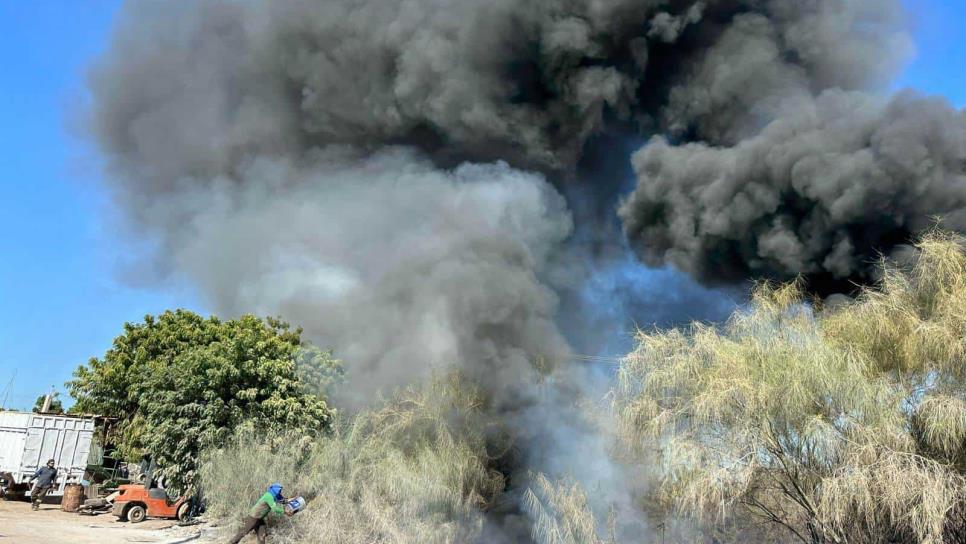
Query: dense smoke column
[222,113]
[196,92]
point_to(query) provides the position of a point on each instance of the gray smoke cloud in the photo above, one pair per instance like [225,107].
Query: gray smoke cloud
[786,49]
[195,92]
[397,265]
[520,81]
[816,193]
[485,80]
[775,162]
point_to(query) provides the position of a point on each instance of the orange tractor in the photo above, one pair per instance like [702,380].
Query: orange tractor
[137,502]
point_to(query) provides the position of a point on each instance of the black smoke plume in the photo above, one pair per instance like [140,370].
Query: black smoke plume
[819,192]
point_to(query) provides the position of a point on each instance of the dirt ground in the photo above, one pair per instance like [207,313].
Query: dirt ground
[20,525]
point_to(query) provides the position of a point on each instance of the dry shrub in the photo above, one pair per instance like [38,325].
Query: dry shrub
[414,470]
[560,513]
[234,476]
[841,424]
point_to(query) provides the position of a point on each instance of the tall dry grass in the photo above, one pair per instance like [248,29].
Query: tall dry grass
[561,513]
[844,424]
[414,470]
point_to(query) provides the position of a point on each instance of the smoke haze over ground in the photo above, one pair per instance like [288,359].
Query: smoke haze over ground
[431,182]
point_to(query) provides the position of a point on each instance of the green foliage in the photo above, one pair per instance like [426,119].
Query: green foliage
[56,406]
[319,372]
[181,383]
[412,470]
[842,425]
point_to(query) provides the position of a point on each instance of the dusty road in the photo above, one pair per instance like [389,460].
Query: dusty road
[20,525]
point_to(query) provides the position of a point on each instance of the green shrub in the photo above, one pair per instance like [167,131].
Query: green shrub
[181,383]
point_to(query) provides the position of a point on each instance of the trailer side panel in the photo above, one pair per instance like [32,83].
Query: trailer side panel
[65,439]
[13,435]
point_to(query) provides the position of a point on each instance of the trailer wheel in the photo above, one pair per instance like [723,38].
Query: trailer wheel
[136,513]
[183,511]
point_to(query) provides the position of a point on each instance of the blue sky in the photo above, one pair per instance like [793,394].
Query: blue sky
[940,67]
[61,301]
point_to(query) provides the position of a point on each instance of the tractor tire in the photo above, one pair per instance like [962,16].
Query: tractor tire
[136,513]
[183,511]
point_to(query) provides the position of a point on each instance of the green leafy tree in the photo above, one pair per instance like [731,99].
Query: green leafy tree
[56,406]
[319,371]
[182,383]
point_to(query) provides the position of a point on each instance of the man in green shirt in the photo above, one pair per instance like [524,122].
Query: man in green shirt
[271,502]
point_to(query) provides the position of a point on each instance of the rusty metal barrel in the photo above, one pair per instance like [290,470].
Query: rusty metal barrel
[73,497]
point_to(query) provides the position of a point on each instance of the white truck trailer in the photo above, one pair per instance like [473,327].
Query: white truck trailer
[28,440]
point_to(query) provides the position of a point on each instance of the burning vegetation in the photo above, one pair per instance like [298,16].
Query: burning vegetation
[415,469]
[794,421]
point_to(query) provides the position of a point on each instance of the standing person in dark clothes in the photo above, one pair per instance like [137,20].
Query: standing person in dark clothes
[44,480]
[270,502]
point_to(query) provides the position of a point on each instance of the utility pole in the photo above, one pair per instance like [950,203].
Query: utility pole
[47,398]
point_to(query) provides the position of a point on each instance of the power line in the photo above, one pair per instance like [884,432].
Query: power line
[614,361]
[7,390]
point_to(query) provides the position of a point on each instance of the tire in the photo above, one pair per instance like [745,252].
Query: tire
[136,513]
[183,511]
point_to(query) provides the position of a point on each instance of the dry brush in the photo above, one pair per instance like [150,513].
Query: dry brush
[841,424]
